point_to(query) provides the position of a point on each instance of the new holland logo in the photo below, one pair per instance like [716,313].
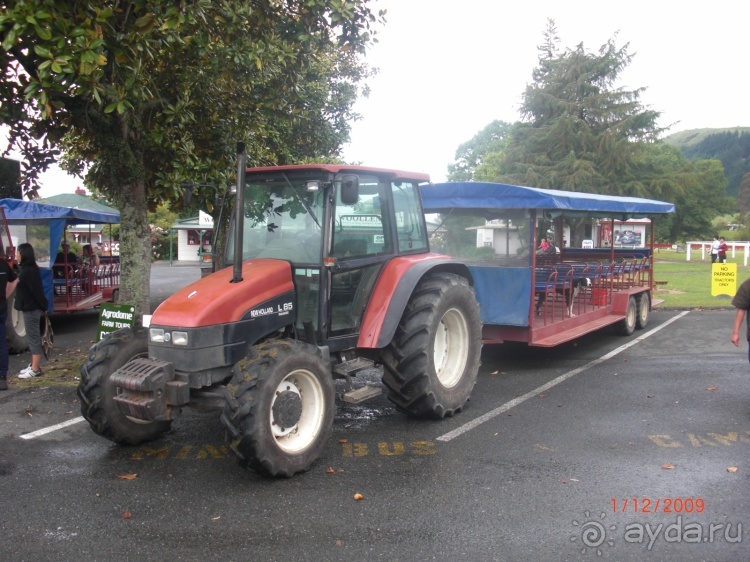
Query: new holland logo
[261,312]
[281,310]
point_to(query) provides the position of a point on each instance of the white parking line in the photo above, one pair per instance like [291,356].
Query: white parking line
[52,428]
[554,382]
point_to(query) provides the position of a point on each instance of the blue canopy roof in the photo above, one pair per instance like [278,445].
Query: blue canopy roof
[27,212]
[489,197]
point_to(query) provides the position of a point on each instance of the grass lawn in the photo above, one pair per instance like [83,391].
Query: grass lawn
[688,283]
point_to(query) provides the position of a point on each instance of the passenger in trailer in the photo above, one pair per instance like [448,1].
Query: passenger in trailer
[65,258]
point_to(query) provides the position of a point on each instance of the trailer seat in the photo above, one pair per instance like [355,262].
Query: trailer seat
[545,284]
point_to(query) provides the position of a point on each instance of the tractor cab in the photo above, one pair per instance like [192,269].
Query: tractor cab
[337,226]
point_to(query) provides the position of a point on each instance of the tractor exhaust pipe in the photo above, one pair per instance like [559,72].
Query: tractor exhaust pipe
[239,217]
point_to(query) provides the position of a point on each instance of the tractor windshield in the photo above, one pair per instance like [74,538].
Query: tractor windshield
[282,220]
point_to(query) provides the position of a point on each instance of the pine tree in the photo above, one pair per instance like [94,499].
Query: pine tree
[580,132]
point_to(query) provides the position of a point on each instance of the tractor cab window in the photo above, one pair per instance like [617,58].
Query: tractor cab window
[282,220]
[409,218]
[359,229]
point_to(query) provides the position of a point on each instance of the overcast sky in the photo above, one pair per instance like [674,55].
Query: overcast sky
[447,69]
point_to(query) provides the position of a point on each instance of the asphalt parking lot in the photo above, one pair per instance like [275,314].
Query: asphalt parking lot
[607,448]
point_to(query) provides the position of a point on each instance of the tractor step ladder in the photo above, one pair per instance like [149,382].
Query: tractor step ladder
[348,368]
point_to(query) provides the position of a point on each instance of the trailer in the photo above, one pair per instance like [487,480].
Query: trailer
[545,299]
[75,288]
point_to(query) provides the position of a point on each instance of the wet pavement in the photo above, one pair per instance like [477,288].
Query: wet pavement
[606,448]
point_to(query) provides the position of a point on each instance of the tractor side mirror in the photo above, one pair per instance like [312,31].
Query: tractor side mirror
[349,189]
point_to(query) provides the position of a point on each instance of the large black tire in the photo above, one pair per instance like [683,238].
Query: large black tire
[97,394]
[643,308]
[626,326]
[280,408]
[15,328]
[432,363]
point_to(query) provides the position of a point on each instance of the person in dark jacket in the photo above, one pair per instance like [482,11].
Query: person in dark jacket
[8,281]
[66,262]
[30,300]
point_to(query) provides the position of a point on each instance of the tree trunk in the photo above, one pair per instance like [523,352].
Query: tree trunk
[135,249]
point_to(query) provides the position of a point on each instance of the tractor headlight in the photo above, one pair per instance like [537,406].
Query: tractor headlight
[179,338]
[156,335]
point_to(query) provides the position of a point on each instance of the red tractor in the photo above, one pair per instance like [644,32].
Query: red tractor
[331,274]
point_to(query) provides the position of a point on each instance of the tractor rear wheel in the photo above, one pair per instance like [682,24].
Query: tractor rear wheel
[97,393]
[280,408]
[432,363]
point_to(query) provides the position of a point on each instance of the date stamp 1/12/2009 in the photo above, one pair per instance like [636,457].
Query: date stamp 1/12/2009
[658,505]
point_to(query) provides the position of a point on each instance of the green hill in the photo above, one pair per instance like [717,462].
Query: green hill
[731,146]
[684,139]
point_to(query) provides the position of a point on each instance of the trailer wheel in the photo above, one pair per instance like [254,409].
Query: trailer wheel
[643,305]
[280,407]
[15,327]
[97,394]
[432,363]
[626,326]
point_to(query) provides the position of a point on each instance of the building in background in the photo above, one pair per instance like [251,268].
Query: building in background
[193,239]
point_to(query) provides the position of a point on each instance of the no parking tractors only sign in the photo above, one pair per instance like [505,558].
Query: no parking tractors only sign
[723,279]
[113,317]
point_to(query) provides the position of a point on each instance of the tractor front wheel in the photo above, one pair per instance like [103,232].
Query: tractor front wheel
[97,393]
[280,408]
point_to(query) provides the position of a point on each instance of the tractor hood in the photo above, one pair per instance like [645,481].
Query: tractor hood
[216,300]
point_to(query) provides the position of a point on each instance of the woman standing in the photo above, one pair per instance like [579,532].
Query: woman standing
[723,247]
[31,301]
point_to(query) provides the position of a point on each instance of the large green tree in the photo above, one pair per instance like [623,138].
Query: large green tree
[696,205]
[146,95]
[580,132]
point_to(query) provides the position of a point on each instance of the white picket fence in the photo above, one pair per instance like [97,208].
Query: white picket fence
[705,249]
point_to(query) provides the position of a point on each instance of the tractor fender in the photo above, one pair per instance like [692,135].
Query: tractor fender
[394,289]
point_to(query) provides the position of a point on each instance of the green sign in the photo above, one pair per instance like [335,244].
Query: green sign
[113,317]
